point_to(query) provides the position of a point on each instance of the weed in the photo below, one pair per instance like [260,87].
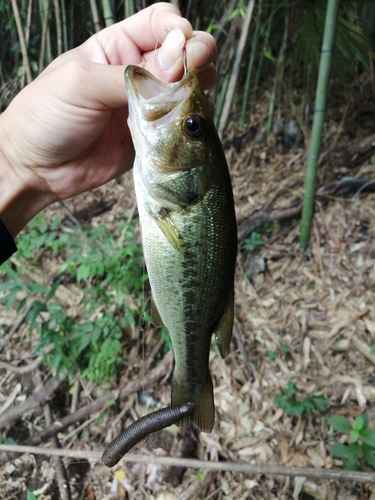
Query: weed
[107,265]
[361,441]
[253,242]
[296,406]
[285,349]
[272,354]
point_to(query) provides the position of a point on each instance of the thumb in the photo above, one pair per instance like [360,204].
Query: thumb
[84,83]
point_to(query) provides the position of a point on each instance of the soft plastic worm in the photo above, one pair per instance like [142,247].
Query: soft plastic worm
[142,428]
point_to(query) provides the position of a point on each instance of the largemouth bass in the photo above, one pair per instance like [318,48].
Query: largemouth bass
[188,224]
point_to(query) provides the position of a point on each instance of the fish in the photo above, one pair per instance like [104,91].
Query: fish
[188,225]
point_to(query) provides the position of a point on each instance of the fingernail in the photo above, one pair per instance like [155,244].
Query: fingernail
[171,50]
[197,53]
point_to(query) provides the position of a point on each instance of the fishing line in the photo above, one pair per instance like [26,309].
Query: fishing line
[185,62]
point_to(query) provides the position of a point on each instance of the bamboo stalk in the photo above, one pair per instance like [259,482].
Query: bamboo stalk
[265,44]
[220,104]
[278,77]
[27,36]
[317,128]
[95,15]
[109,16]
[236,67]
[43,42]
[58,27]
[250,68]
[129,8]
[64,26]
[21,38]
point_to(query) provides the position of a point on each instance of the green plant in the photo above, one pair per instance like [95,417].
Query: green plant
[272,354]
[30,495]
[108,267]
[254,241]
[361,441]
[294,405]
[285,349]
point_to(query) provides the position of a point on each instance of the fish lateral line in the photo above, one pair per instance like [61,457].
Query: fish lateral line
[142,428]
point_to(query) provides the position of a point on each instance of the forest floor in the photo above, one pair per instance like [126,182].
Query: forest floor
[306,318]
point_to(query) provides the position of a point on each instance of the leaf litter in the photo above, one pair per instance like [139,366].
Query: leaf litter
[306,319]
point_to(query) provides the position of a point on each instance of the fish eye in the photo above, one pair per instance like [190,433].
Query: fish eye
[194,126]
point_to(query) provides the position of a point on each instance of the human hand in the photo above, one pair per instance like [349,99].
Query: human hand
[67,132]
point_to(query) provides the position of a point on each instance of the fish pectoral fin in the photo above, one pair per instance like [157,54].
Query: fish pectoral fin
[169,229]
[155,316]
[223,334]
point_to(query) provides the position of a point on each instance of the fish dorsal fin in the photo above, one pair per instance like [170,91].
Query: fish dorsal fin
[155,316]
[169,229]
[223,334]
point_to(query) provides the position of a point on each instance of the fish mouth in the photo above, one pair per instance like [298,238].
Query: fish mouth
[153,98]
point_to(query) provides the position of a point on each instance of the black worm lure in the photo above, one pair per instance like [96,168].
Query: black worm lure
[142,428]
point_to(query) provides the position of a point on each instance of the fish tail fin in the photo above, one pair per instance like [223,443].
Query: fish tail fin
[202,396]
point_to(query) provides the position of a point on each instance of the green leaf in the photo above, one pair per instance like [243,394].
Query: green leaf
[339,423]
[295,408]
[339,450]
[359,422]
[83,272]
[30,495]
[353,436]
[368,454]
[321,403]
[308,404]
[285,349]
[290,390]
[368,437]
[272,354]
[350,463]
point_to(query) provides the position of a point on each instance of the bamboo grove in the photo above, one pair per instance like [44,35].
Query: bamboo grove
[290,46]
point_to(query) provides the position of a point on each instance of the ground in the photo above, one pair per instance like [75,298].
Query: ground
[303,317]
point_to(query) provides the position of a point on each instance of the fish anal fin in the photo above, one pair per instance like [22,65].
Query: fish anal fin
[202,396]
[155,316]
[223,334]
[169,229]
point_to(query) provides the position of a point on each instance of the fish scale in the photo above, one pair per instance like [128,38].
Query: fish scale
[189,231]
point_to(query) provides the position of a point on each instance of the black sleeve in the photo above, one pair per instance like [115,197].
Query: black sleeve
[7,245]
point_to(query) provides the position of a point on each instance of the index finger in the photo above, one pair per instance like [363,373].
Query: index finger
[126,41]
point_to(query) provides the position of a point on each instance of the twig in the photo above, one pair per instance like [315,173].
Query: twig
[40,397]
[17,324]
[70,214]
[273,470]
[241,347]
[62,477]
[20,370]
[133,386]
[363,348]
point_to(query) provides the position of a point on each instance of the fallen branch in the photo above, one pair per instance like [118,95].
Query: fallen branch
[272,470]
[265,216]
[133,386]
[61,475]
[248,364]
[337,188]
[39,398]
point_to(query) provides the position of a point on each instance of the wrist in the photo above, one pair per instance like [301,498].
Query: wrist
[19,202]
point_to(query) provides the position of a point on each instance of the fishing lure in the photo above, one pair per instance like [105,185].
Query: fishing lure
[140,429]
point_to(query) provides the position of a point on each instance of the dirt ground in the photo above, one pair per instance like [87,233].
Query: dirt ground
[304,318]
